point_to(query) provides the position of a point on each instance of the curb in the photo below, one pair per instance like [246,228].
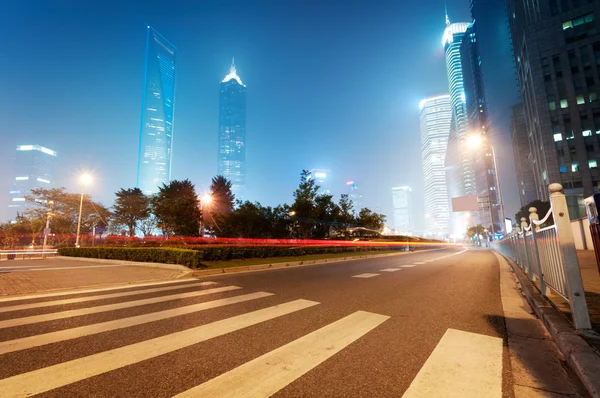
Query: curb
[580,356]
[175,267]
[295,264]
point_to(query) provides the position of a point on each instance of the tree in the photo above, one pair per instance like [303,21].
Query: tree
[371,220]
[345,217]
[176,209]
[220,207]
[542,209]
[475,230]
[304,204]
[131,208]
[65,210]
[325,211]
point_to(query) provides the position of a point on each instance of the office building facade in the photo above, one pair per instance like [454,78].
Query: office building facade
[521,153]
[557,55]
[34,167]
[158,103]
[355,195]
[232,132]
[401,200]
[322,178]
[435,119]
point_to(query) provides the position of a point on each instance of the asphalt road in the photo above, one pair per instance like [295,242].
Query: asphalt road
[315,331]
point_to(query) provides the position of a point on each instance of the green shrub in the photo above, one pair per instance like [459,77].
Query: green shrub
[189,258]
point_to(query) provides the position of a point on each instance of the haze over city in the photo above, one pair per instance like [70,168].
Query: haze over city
[333,85]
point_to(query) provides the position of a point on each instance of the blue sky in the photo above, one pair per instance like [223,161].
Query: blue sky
[331,84]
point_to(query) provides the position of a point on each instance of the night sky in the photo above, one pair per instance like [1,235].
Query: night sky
[331,84]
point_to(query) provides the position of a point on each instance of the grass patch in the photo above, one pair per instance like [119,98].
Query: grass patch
[275,260]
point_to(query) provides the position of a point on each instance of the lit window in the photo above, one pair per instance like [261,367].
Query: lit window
[21,178]
[18,199]
[567,25]
[574,167]
[557,137]
[593,97]
[587,133]
[593,164]
[580,100]
[563,168]
[544,175]
[564,103]
[43,180]
[552,105]
[570,136]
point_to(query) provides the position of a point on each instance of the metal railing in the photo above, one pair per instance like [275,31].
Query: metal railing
[548,255]
[26,254]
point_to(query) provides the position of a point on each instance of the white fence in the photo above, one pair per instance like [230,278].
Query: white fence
[548,254]
[582,234]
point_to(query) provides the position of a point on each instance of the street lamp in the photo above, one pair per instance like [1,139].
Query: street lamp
[47,229]
[205,200]
[84,179]
[476,141]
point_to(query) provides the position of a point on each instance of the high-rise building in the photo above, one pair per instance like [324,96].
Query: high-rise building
[232,131]
[355,195]
[435,115]
[158,101]
[477,123]
[521,152]
[556,48]
[401,202]
[460,174]
[33,168]
[322,178]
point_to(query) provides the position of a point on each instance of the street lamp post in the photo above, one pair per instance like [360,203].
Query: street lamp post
[84,180]
[205,200]
[475,141]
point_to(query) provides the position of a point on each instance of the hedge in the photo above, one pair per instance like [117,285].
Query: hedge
[194,256]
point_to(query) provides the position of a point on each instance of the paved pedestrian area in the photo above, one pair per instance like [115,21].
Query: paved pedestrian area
[30,276]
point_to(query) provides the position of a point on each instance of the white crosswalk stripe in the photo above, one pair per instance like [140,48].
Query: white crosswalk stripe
[101,289]
[265,375]
[365,276]
[100,297]
[409,265]
[391,269]
[109,307]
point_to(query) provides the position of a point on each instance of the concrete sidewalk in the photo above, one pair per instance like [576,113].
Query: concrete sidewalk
[77,274]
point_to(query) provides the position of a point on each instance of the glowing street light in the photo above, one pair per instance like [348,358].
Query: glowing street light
[476,141]
[205,200]
[84,179]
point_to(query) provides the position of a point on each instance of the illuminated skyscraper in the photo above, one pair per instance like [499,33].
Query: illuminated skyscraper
[322,178]
[158,101]
[401,201]
[34,168]
[232,132]
[436,116]
[355,196]
[460,175]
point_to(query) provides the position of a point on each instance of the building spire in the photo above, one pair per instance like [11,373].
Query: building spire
[447,17]
[232,68]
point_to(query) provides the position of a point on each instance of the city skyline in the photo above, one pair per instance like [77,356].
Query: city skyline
[192,145]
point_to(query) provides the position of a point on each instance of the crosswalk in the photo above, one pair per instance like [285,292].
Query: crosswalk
[52,322]
[260,377]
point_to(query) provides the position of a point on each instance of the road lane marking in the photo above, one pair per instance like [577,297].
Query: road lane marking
[55,376]
[391,269]
[269,373]
[109,307]
[365,276]
[104,289]
[461,365]
[68,334]
[420,262]
[408,266]
[100,297]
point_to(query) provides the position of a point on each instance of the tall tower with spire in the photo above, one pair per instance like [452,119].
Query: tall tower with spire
[231,157]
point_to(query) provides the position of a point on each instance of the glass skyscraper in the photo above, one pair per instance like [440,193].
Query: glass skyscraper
[436,115]
[158,101]
[232,132]
[460,175]
[402,207]
[34,168]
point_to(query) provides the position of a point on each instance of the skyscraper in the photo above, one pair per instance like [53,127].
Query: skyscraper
[34,168]
[158,101]
[355,196]
[557,52]
[520,144]
[460,175]
[322,178]
[435,116]
[477,123]
[401,201]
[232,131]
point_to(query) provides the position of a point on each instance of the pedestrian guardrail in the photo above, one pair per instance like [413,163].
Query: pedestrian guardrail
[548,254]
[26,254]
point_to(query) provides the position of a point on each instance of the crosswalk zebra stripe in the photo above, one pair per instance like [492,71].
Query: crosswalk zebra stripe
[68,334]
[463,364]
[365,276]
[102,289]
[65,373]
[391,269]
[409,265]
[267,374]
[109,307]
[100,297]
